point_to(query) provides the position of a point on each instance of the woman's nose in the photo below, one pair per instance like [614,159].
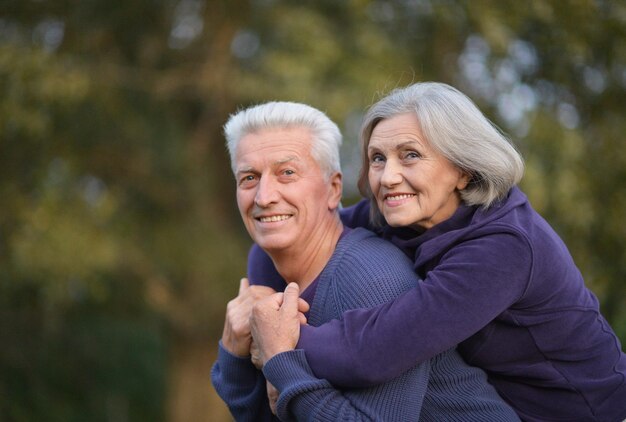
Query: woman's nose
[391,174]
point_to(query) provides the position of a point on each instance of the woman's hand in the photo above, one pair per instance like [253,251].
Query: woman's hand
[275,323]
[236,337]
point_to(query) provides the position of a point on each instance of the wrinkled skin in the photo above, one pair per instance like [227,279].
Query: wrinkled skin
[236,337]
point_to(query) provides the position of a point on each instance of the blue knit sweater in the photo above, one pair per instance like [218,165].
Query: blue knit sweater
[363,272]
[242,387]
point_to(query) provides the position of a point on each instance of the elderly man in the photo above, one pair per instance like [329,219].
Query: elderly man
[285,157]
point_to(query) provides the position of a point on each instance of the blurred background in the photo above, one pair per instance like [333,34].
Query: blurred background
[120,241]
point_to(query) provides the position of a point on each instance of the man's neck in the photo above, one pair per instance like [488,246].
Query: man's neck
[304,265]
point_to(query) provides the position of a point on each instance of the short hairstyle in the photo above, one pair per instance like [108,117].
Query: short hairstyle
[457,129]
[326,137]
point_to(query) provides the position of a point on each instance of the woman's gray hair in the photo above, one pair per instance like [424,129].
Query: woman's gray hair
[457,129]
[326,137]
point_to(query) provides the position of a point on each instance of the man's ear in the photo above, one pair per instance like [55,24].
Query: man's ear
[335,187]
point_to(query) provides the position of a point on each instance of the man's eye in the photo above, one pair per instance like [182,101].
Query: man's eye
[377,158]
[247,179]
[289,172]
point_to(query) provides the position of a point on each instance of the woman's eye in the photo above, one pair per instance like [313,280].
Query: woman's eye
[412,154]
[289,172]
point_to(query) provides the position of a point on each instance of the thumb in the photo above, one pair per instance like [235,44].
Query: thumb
[243,285]
[290,298]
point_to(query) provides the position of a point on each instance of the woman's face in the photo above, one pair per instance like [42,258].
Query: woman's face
[413,184]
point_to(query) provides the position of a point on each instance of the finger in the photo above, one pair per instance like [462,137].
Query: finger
[303,306]
[243,285]
[272,396]
[272,302]
[302,318]
[277,299]
[291,297]
[255,355]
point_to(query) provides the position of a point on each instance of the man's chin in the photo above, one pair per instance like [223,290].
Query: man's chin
[271,245]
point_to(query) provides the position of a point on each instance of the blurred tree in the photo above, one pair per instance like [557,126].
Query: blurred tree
[112,237]
[120,242]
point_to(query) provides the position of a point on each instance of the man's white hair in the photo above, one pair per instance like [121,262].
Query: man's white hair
[326,137]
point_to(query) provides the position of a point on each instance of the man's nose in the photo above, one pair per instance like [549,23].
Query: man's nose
[267,192]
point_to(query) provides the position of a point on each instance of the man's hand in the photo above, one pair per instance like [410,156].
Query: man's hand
[255,355]
[272,396]
[236,337]
[275,323]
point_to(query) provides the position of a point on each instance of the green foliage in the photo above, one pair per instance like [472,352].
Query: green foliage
[87,367]
[119,234]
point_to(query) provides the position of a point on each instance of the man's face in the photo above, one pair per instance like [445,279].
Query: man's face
[282,194]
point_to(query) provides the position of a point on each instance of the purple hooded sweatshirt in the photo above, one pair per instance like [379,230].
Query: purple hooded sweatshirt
[502,285]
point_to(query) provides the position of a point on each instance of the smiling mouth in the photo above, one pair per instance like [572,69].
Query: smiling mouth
[399,197]
[273,218]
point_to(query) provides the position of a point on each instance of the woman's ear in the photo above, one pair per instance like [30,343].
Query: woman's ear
[464,179]
[335,186]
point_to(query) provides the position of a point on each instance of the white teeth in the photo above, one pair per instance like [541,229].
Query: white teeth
[398,197]
[274,218]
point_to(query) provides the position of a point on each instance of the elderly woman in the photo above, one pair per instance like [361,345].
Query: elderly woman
[497,280]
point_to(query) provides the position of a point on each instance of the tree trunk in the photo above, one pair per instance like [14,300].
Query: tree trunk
[190,396]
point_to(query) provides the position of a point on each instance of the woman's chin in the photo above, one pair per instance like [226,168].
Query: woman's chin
[397,221]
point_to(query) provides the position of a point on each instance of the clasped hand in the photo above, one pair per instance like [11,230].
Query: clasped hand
[236,337]
[261,323]
[275,324]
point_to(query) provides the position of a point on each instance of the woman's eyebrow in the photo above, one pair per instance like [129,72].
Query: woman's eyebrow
[408,143]
[398,146]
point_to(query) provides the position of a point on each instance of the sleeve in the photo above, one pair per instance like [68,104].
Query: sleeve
[357,215]
[305,397]
[473,283]
[261,270]
[360,279]
[241,386]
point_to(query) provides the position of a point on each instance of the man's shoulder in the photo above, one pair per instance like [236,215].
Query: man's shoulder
[365,247]
[369,270]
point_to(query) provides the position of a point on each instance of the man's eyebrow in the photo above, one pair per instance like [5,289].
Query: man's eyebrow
[250,169]
[247,169]
[286,159]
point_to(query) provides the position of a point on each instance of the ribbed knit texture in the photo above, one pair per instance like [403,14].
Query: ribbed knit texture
[355,276]
[352,278]
[459,392]
[242,387]
[445,389]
